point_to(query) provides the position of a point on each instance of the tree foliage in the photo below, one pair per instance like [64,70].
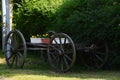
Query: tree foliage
[33,16]
[89,19]
[82,19]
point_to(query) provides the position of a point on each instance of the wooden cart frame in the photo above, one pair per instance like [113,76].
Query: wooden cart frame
[61,56]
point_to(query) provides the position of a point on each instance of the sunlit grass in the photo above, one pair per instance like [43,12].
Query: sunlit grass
[43,72]
[2,60]
[47,75]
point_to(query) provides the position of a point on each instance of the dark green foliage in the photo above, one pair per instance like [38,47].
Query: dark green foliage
[91,20]
[83,20]
[32,16]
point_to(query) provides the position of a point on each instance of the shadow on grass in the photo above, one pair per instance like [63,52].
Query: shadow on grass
[43,69]
[35,67]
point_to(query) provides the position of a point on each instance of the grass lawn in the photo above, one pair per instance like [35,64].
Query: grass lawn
[43,72]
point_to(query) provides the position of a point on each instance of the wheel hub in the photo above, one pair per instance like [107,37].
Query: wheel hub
[61,52]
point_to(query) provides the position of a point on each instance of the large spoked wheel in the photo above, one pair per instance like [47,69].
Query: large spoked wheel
[61,52]
[15,49]
[95,54]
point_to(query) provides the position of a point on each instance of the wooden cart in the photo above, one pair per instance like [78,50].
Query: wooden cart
[61,52]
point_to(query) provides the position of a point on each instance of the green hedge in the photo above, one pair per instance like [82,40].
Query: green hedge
[82,19]
[91,20]
[32,17]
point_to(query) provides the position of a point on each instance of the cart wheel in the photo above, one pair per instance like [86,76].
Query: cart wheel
[15,49]
[95,55]
[61,52]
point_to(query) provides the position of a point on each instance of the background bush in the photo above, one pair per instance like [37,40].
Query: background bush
[91,20]
[83,20]
[33,16]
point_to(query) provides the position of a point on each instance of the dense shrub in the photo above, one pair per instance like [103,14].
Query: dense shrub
[82,19]
[33,16]
[91,20]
